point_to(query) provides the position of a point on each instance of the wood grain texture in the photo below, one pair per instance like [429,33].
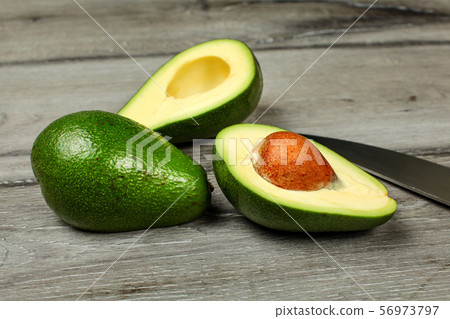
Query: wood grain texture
[222,256]
[386,85]
[41,31]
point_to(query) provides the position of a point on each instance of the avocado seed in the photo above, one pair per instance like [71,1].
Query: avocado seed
[290,161]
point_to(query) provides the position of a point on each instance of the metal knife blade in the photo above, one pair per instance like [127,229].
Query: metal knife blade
[423,177]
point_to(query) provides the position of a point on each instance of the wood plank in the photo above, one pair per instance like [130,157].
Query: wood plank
[21,9]
[221,256]
[41,31]
[16,170]
[431,6]
[362,95]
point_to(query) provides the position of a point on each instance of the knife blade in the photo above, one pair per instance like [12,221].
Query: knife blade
[418,175]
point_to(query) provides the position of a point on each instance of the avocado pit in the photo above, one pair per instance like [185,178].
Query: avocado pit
[290,161]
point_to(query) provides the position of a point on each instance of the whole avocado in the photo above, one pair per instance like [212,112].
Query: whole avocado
[95,173]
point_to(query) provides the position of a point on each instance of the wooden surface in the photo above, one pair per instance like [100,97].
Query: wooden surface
[385,83]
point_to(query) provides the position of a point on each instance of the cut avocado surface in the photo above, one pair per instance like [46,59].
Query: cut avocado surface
[100,171]
[199,91]
[356,201]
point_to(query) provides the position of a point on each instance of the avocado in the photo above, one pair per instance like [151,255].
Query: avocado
[199,91]
[353,201]
[103,172]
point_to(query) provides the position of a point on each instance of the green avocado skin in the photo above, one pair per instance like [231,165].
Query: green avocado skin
[88,178]
[271,215]
[211,122]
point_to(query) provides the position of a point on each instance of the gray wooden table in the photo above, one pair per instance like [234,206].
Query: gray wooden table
[386,83]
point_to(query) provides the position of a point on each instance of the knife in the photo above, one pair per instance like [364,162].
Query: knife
[418,175]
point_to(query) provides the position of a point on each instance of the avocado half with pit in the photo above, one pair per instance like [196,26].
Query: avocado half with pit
[355,201]
[199,91]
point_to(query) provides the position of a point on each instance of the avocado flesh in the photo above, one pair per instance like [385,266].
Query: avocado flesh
[357,201]
[199,91]
[90,180]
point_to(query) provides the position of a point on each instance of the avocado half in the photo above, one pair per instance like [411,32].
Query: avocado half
[199,91]
[357,201]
